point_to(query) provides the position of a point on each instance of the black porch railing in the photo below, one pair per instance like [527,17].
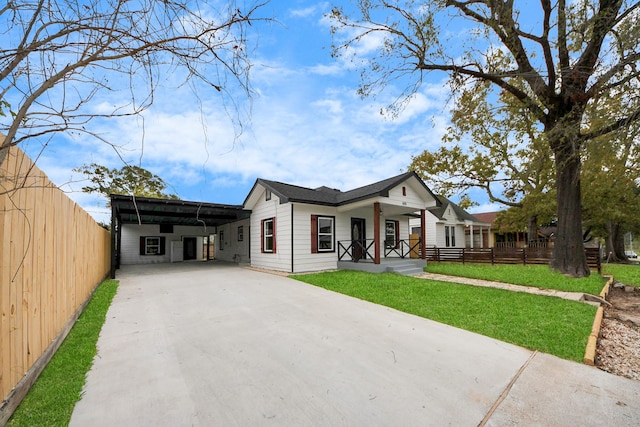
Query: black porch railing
[402,249]
[355,250]
[362,250]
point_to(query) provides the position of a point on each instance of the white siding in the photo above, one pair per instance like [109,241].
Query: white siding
[431,229]
[305,260]
[130,244]
[459,235]
[404,230]
[264,209]
[231,249]
[440,238]
[413,199]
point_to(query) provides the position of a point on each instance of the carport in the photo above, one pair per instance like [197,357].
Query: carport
[127,209]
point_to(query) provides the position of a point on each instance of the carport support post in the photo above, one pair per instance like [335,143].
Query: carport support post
[376,233]
[423,234]
[114,249]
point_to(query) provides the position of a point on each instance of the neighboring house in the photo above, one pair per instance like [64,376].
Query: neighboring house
[280,226]
[515,238]
[450,226]
[489,218]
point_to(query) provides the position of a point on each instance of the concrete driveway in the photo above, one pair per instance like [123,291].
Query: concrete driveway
[207,344]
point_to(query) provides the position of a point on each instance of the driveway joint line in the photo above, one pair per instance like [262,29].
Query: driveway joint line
[507,389]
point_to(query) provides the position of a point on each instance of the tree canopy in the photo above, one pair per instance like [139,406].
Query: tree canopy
[495,148]
[60,59]
[129,180]
[560,61]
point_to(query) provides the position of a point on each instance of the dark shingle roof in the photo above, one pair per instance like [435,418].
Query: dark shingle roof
[460,213]
[148,210]
[293,193]
[332,197]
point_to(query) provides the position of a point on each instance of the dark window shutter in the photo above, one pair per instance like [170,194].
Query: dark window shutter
[274,234]
[314,234]
[142,246]
[162,245]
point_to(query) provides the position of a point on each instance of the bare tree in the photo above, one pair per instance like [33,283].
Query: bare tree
[568,56]
[58,57]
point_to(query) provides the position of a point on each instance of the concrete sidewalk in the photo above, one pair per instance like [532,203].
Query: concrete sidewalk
[573,296]
[204,344]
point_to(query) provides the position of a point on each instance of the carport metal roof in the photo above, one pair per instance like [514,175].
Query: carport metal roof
[145,210]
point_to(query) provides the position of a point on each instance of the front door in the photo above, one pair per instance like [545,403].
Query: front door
[189,246]
[358,239]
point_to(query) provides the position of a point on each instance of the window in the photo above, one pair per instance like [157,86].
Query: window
[221,243]
[240,233]
[267,195]
[392,233]
[450,236]
[322,234]
[404,191]
[166,228]
[268,241]
[152,245]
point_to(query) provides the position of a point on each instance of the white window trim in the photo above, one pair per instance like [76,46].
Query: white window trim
[148,245]
[265,235]
[450,236]
[332,233]
[386,232]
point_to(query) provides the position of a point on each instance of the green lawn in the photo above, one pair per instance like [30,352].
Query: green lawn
[51,400]
[547,324]
[629,274]
[540,276]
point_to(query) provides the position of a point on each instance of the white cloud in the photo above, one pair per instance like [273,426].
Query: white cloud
[487,207]
[309,11]
[326,70]
[308,127]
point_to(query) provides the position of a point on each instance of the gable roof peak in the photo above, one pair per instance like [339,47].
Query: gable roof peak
[327,189]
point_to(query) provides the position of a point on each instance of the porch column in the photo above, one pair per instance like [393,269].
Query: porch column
[471,234]
[376,233]
[423,234]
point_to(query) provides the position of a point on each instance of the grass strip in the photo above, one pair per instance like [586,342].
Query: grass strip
[539,276]
[547,324]
[51,400]
[629,274]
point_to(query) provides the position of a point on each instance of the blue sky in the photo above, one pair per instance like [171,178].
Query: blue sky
[307,126]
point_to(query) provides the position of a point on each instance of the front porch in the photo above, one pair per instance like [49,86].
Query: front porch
[401,256]
[405,266]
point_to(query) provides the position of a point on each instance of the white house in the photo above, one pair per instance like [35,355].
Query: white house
[282,227]
[450,226]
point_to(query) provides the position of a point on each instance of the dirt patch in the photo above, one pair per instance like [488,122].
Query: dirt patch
[618,349]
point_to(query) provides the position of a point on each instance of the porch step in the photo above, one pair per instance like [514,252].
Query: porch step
[406,268]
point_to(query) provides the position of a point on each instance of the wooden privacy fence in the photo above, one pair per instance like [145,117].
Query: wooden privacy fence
[53,255]
[538,255]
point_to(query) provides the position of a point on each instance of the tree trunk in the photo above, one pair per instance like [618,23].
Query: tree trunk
[532,228]
[609,244]
[614,243]
[568,255]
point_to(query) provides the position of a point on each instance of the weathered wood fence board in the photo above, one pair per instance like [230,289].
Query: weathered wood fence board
[506,255]
[53,255]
